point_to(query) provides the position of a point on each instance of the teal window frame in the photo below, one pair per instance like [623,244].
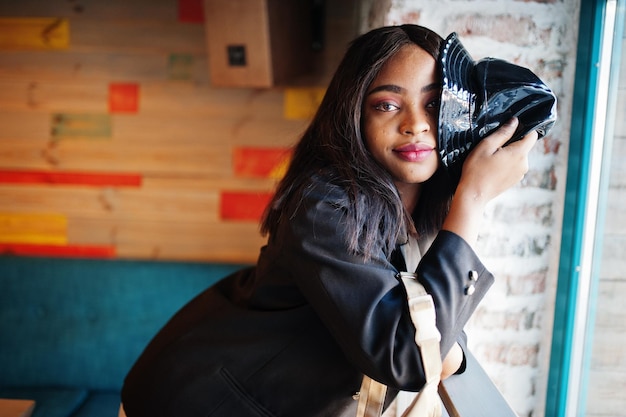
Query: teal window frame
[577,281]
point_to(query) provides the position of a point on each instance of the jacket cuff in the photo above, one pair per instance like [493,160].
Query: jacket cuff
[457,280]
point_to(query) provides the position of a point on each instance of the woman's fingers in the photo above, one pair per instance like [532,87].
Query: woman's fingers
[492,167]
[489,170]
[502,135]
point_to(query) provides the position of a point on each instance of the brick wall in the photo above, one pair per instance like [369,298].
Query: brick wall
[511,331]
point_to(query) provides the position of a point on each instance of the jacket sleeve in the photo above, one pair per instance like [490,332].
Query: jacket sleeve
[363,304]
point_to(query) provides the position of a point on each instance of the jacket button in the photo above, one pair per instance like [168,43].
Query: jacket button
[469,290]
[473,276]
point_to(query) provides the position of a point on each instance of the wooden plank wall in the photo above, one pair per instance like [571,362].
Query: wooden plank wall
[607,377]
[115,144]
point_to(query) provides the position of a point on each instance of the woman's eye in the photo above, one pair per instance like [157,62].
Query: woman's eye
[434,104]
[386,106]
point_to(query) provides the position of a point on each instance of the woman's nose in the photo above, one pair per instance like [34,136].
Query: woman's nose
[416,121]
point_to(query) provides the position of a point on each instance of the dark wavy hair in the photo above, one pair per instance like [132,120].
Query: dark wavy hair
[334,142]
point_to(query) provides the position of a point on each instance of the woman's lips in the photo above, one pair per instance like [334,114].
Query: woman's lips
[414,152]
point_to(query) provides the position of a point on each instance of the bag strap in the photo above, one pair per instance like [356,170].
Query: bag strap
[427,337]
[371,398]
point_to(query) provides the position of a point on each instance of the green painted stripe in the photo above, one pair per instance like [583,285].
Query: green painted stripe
[73,125]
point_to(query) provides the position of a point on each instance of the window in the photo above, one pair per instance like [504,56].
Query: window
[587,287]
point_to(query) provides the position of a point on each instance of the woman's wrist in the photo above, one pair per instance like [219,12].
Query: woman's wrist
[465,215]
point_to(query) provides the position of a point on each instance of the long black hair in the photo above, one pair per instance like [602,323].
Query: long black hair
[334,142]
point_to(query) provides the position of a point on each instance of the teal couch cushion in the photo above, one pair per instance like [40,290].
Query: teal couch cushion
[100,404]
[82,323]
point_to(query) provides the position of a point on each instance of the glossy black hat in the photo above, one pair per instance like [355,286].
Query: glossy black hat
[478,97]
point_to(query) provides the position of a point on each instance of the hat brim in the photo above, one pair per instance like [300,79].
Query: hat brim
[457,99]
[478,97]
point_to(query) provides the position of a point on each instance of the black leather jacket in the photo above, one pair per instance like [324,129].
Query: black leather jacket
[293,335]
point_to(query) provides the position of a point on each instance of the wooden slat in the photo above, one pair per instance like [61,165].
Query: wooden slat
[232,104]
[163,99]
[109,203]
[209,130]
[24,125]
[171,239]
[110,9]
[79,67]
[203,185]
[66,97]
[210,159]
[137,36]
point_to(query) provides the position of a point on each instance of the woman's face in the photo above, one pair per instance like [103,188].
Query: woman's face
[400,117]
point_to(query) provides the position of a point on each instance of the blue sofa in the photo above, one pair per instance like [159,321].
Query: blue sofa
[70,329]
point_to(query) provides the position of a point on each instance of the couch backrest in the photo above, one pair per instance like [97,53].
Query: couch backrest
[67,322]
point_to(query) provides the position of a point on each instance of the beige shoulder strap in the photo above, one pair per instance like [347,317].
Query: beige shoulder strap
[427,337]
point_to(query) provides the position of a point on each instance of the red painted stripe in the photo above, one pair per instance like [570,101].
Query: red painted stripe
[245,206]
[69,251]
[123,98]
[191,11]
[258,162]
[69,178]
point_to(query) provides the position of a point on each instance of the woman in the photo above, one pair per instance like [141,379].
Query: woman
[363,197]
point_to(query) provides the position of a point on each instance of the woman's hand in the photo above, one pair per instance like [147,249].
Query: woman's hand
[489,170]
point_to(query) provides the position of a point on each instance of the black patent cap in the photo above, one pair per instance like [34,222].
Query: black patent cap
[478,97]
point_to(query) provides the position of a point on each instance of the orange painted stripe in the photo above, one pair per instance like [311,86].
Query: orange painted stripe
[246,206]
[260,162]
[64,251]
[69,178]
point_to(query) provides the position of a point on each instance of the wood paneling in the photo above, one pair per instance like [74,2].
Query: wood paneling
[182,139]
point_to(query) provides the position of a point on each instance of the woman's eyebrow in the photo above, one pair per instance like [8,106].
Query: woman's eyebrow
[397,89]
[431,87]
[386,87]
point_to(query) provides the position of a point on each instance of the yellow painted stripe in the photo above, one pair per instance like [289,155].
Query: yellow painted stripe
[37,228]
[302,102]
[34,33]
[280,170]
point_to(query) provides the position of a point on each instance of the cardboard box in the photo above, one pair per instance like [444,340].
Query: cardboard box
[258,43]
